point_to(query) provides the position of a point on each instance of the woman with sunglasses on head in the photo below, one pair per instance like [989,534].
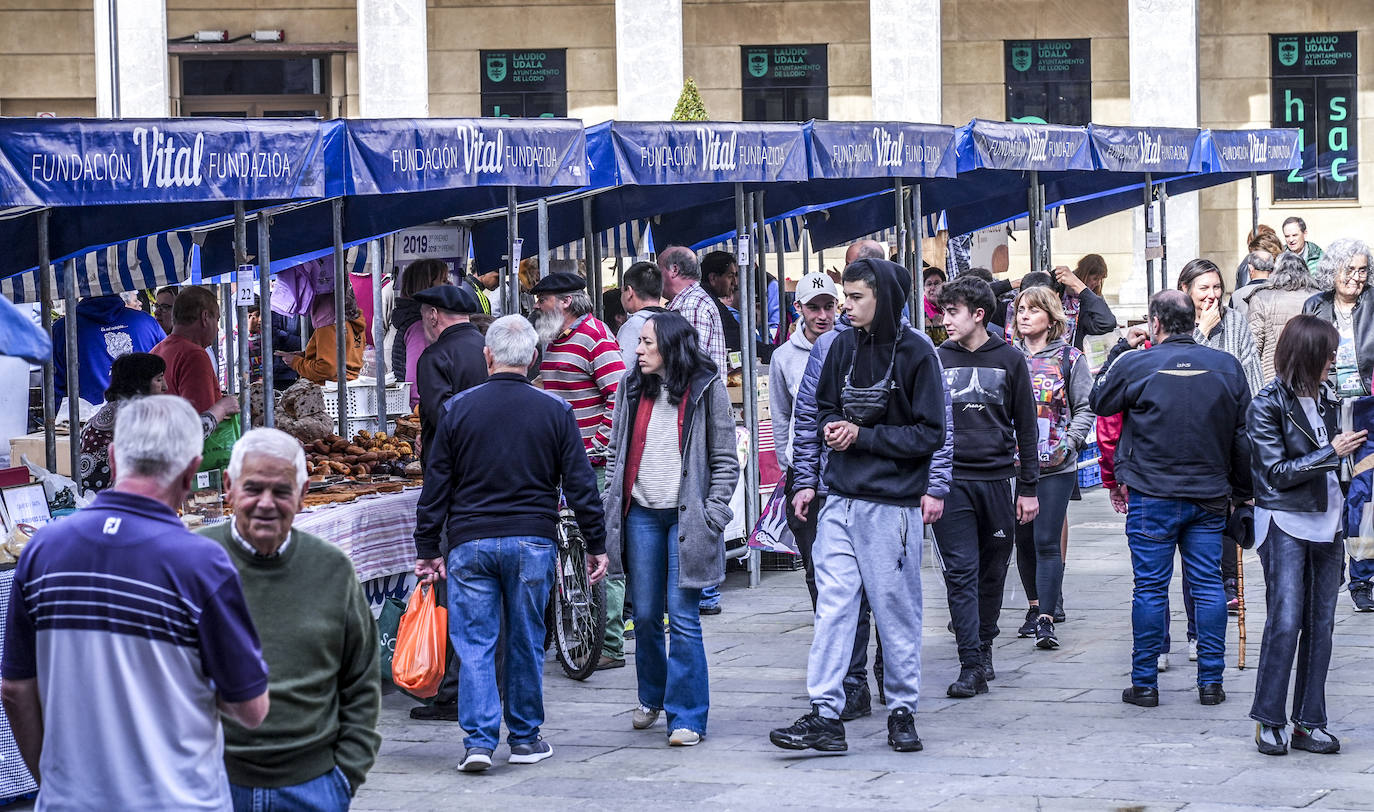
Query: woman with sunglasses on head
[1348,304]
[1295,453]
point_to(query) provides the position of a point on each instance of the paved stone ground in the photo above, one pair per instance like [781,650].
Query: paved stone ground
[1052,732]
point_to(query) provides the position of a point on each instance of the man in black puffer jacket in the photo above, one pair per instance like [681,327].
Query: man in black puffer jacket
[881,410]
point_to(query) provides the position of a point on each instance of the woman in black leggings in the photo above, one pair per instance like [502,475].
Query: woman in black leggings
[1060,381]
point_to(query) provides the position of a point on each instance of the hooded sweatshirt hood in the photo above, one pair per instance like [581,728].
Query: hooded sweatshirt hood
[100,309]
[877,341]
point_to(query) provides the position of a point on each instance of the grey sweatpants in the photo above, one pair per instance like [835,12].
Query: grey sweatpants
[875,548]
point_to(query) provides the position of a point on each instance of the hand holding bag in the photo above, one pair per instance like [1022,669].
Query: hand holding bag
[418,664]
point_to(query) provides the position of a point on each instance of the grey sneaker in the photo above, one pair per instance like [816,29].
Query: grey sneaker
[682,737]
[532,753]
[475,760]
[644,717]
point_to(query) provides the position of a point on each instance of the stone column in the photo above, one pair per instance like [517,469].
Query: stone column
[393,59]
[904,40]
[1164,93]
[139,53]
[648,58]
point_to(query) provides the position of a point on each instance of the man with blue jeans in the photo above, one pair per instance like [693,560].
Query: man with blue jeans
[1183,456]
[498,524]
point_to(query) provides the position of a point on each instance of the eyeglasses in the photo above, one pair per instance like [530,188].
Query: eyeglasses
[1355,273]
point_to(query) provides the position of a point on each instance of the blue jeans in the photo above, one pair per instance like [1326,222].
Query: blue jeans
[327,793]
[490,580]
[1361,572]
[1301,579]
[672,678]
[710,597]
[1155,527]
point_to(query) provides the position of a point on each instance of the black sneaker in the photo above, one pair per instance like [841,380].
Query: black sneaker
[1363,597]
[811,731]
[985,655]
[1044,634]
[1141,697]
[857,702]
[1232,589]
[970,683]
[475,760]
[1211,693]
[1028,628]
[901,732]
[1312,739]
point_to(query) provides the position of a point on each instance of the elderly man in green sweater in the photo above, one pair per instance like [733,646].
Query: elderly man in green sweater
[318,637]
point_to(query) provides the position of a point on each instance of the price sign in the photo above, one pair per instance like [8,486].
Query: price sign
[516,247]
[744,254]
[244,296]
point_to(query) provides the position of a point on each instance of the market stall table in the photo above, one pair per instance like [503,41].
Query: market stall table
[376,532]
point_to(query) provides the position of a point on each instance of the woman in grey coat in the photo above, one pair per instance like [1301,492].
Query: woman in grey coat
[1279,299]
[669,476]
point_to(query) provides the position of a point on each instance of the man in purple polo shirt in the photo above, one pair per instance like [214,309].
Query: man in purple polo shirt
[128,636]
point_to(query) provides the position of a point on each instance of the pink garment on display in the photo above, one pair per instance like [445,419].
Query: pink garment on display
[415,344]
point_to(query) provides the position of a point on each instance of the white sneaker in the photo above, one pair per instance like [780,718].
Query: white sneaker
[1192,651]
[1162,664]
[476,760]
[644,717]
[682,737]
[532,753]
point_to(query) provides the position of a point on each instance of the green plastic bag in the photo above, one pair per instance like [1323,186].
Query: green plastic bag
[220,444]
[388,626]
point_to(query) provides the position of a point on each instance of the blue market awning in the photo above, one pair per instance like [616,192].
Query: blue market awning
[879,149]
[145,264]
[408,172]
[107,182]
[1226,156]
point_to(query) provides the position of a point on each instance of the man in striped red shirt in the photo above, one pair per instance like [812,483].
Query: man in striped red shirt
[582,364]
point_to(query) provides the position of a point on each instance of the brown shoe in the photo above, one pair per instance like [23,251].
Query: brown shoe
[607,663]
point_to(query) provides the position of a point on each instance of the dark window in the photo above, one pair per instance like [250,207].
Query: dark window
[784,82]
[525,84]
[252,77]
[1314,90]
[1049,81]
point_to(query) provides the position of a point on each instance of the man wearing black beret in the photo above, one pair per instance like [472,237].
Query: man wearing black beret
[451,363]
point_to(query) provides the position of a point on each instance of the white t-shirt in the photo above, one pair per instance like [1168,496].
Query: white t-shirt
[656,484]
[1309,526]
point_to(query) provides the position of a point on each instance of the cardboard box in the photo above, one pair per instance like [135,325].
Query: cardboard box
[31,445]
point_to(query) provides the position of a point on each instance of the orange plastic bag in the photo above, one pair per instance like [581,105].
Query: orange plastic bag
[421,645]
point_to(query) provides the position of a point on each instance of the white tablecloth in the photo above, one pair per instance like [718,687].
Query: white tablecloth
[376,532]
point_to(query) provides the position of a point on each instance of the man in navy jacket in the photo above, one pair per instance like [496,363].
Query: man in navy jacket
[1182,457]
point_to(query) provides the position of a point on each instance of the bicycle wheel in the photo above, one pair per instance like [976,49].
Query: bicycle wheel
[578,608]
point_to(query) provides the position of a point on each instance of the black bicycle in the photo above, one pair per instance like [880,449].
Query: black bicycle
[577,607]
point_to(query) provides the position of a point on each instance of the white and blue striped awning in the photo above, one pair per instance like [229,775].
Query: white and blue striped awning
[145,264]
[625,240]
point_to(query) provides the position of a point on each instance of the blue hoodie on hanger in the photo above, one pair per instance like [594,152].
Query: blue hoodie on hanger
[105,330]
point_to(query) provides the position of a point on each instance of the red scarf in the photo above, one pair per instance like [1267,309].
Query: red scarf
[635,452]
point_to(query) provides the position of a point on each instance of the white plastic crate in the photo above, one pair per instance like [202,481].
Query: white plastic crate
[362,400]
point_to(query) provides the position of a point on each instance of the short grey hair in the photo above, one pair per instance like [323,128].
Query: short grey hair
[871,249]
[156,437]
[273,443]
[1263,261]
[511,340]
[684,258]
[1337,257]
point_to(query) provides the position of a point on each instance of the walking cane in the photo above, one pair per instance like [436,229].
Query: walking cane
[1240,609]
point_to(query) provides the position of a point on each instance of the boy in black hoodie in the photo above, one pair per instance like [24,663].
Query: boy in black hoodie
[994,425]
[881,410]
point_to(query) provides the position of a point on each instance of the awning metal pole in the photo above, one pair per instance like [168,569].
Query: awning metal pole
[379,359]
[227,371]
[1163,237]
[1149,227]
[269,410]
[510,291]
[779,257]
[340,326]
[1033,220]
[760,271]
[45,280]
[241,320]
[1254,202]
[749,377]
[588,242]
[918,259]
[73,376]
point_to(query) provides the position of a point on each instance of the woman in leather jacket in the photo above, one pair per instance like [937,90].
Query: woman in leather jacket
[1294,456]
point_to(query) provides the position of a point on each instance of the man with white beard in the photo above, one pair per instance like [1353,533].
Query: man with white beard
[583,365]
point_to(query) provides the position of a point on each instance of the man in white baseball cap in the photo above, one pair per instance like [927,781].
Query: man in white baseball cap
[817,301]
